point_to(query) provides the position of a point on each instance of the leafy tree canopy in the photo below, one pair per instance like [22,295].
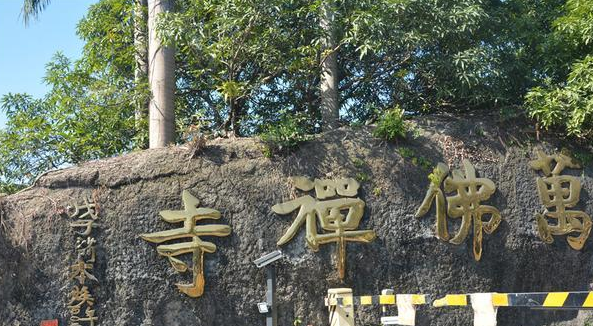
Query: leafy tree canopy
[567,104]
[243,66]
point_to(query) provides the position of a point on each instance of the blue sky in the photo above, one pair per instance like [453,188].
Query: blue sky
[24,51]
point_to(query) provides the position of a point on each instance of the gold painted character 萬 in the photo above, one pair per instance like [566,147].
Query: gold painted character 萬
[339,216]
[197,247]
[558,193]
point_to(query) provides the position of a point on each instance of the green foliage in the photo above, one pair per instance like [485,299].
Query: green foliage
[406,152]
[358,163]
[285,135]
[252,67]
[362,177]
[74,123]
[584,158]
[421,161]
[444,55]
[241,60]
[392,125]
[435,177]
[569,106]
[89,110]
[32,9]
[567,103]
[377,191]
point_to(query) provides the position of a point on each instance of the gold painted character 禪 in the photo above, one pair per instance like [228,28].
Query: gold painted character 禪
[340,216]
[189,216]
[558,193]
[466,203]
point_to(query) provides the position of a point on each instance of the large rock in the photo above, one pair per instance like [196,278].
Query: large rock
[137,286]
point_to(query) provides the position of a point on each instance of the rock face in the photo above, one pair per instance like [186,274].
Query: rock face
[137,286]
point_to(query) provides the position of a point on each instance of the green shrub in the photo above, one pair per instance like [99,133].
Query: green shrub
[358,163]
[436,177]
[568,107]
[285,135]
[406,152]
[362,177]
[392,125]
[377,191]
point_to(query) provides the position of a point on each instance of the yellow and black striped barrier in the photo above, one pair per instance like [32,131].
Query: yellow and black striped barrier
[543,300]
[367,300]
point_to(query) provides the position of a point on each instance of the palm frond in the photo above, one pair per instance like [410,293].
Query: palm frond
[32,9]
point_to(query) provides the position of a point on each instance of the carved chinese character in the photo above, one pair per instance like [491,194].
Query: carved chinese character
[79,297]
[85,248]
[471,191]
[89,317]
[196,246]
[85,216]
[80,271]
[339,216]
[558,193]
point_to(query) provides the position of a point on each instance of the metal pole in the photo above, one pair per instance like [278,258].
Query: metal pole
[272,315]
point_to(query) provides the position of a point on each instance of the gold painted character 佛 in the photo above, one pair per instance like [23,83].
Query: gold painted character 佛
[466,203]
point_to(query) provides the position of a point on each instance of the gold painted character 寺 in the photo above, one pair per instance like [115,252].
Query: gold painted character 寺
[558,193]
[340,216]
[466,203]
[189,216]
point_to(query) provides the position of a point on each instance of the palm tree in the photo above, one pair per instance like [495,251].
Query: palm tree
[330,102]
[161,77]
[160,70]
[32,9]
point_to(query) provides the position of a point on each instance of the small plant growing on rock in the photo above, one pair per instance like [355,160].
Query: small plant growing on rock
[285,135]
[435,177]
[392,125]
[362,177]
[405,152]
[358,163]
[424,163]
[377,191]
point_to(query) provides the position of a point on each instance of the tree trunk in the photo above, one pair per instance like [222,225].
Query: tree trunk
[232,125]
[141,59]
[161,77]
[330,106]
